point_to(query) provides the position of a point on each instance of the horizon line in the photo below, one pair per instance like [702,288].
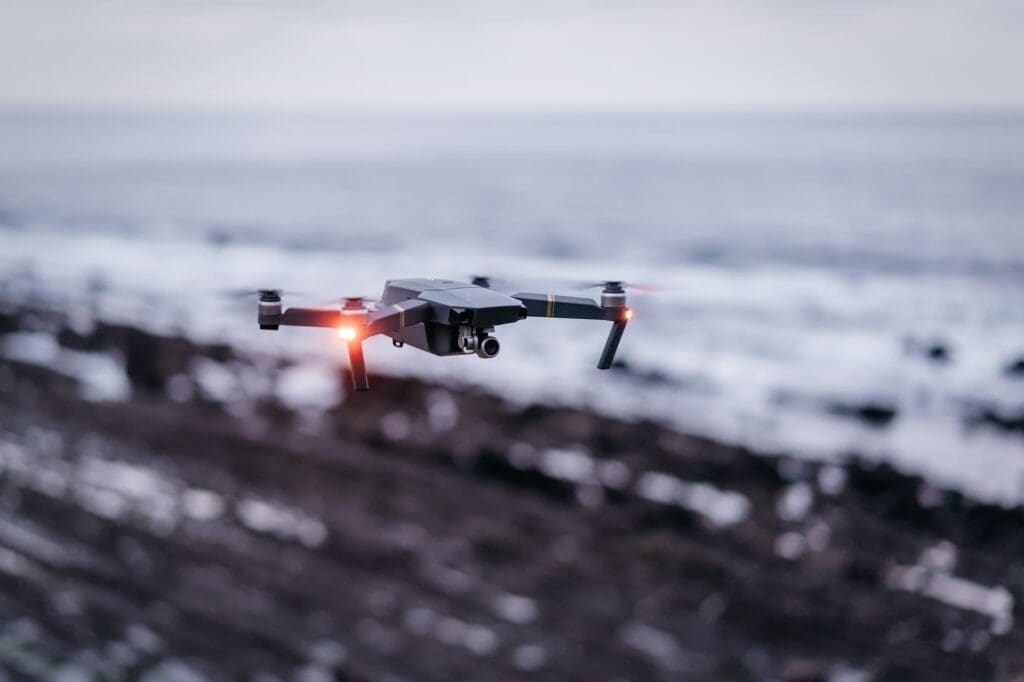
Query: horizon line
[44,109]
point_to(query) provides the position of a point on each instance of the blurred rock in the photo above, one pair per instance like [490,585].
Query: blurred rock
[644,375]
[993,416]
[933,350]
[803,670]
[872,414]
[1015,368]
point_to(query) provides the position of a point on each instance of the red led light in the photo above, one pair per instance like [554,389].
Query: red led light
[347,333]
[628,314]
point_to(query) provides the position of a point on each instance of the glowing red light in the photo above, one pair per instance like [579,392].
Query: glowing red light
[628,314]
[346,333]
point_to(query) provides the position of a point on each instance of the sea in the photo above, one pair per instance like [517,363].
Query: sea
[821,285]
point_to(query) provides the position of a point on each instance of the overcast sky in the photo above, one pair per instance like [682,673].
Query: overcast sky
[553,55]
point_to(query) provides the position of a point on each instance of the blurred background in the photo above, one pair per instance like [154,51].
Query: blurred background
[825,199]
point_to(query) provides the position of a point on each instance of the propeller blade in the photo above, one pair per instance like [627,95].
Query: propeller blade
[634,287]
[493,282]
[549,283]
[245,292]
[342,300]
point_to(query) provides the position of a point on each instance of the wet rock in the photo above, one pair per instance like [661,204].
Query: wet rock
[803,670]
[642,374]
[1015,368]
[9,322]
[142,361]
[995,417]
[873,414]
[937,352]
[933,350]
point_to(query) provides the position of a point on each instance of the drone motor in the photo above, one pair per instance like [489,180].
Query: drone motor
[269,306]
[613,295]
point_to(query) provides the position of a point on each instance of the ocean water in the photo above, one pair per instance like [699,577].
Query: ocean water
[806,263]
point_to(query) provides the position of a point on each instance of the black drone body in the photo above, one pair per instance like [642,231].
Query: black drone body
[445,317]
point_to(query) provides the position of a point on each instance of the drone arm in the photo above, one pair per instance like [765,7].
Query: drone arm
[392,317]
[398,315]
[304,317]
[551,305]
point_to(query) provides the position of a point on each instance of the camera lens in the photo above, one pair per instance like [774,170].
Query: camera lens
[490,346]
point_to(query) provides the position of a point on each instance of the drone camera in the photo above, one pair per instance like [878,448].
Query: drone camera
[488,347]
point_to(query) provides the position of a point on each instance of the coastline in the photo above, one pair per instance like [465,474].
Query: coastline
[430,531]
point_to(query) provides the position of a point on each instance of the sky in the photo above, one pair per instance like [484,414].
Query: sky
[497,55]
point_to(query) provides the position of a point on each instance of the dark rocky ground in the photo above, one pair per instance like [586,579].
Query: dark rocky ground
[421,532]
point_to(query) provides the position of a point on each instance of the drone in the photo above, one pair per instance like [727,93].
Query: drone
[444,317]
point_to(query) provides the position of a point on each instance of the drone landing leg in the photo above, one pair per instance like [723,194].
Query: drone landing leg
[612,344]
[355,361]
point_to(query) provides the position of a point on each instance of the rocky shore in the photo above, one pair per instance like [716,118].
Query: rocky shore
[165,513]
